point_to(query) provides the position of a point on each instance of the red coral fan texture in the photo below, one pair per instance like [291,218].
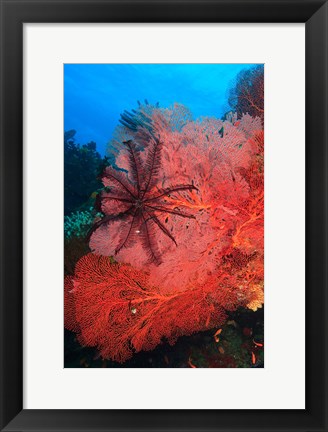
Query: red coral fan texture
[188,248]
[117,309]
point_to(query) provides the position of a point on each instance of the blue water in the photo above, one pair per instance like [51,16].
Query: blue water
[96,94]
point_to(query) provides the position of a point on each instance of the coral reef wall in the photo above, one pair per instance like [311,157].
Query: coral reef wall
[180,242]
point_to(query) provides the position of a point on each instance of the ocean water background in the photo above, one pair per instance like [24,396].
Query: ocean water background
[96,94]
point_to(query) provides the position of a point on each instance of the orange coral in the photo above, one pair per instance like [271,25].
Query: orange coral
[215,263]
[114,307]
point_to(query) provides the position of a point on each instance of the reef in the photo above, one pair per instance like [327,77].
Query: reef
[180,245]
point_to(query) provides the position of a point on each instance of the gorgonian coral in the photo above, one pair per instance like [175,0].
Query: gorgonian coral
[115,308]
[211,260]
[225,205]
[247,96]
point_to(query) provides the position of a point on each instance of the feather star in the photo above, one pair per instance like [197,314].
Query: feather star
[137,201]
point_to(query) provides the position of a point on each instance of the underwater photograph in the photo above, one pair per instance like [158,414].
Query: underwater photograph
[163,216]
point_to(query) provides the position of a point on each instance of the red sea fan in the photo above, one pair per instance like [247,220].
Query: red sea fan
[117,310]
[69,306]
[208,234]
[213,156]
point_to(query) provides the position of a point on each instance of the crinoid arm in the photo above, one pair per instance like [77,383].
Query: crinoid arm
[152,165]
[171,211]
[160,226]
[107,219]
[135,163]
[129,231]
[148,239]
[170,190]
[118,180]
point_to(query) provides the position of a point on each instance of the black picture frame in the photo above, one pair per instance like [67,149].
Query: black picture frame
[16,12]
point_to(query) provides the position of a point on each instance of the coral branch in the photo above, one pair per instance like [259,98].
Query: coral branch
[118,311]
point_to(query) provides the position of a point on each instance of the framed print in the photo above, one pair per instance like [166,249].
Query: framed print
[163,243]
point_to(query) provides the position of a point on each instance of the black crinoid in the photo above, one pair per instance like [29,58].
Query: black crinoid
[137,201]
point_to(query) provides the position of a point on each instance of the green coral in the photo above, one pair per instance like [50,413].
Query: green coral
[82,167]
[78,224]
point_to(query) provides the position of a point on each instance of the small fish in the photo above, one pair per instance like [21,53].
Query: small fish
[221,350]
[257,343]
[191,365]
[216,335]
[253,358]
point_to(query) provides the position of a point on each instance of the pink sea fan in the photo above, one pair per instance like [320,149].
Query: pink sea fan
[216,157]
